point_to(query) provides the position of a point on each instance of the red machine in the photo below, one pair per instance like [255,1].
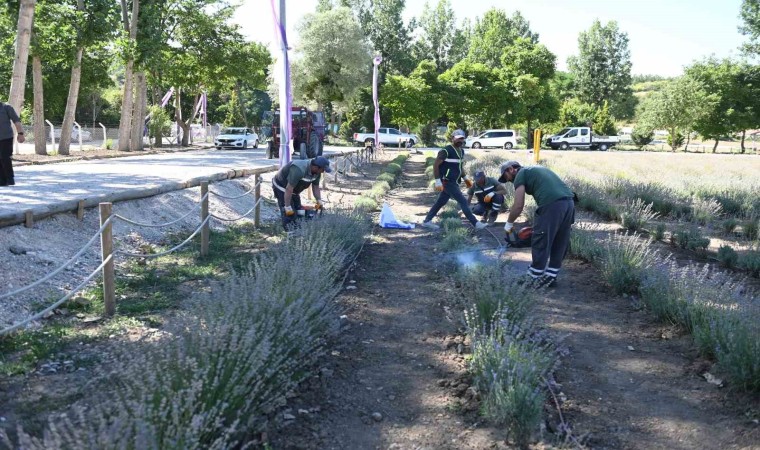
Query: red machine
[309,132]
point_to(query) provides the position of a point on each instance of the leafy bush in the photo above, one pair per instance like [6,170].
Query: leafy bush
[427,134]
[636,214]
[456,238]
[493,295]
[677,141]
[388,178]
[378,190]
[394,169]
[429,173]
[642,136]
[365,203]
[727,256]
[584,245]
[109,144]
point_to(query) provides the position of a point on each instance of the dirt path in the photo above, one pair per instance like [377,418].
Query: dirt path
[397,378]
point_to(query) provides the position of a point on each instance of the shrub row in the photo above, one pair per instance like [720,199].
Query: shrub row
[511,358]
[722,314]
[385,182]
[209,378]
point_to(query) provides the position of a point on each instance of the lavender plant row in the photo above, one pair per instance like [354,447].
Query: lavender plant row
[722,313]
[211,376]
[510,357]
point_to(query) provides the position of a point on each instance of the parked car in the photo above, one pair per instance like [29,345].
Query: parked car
[86,135]
[493,138]
[236,137]
[386,136]
[581,137]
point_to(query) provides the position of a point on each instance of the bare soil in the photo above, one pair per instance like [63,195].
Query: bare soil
[397,377]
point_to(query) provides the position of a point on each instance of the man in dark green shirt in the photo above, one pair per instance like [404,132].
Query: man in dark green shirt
[293,179]
[554,216]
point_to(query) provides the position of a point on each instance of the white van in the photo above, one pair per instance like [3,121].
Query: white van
[493,138]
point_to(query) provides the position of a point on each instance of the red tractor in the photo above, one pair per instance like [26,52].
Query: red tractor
[309,132]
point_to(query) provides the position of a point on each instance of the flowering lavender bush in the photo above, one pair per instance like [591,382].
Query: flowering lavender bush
[226,360]
[720,312]
[624,261]
[492,294]
[636,214]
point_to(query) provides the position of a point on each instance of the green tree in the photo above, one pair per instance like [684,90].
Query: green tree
[604,123]
[383,23]
[602,68]
[575,113]
[440,39]
[642,136]
[750,15]
[676,108]
[414,99]
[477,95]
[733,85]
[495,32]
[333,59]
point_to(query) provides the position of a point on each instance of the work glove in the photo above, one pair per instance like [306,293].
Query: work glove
[289,211]
[318,205]
[489,197]
[439,185]
[508,227]
[468,181]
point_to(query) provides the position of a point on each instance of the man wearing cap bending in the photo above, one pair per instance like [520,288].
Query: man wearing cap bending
[448,174]
[292,179]
[490,194]
[554,216]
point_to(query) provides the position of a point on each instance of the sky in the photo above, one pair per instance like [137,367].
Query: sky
[664,36]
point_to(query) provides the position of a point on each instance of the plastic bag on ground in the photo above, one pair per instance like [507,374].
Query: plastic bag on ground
[388,219]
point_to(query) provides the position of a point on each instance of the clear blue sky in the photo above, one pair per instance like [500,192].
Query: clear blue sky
[663,35]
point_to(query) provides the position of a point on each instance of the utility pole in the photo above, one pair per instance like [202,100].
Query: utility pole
[285,118]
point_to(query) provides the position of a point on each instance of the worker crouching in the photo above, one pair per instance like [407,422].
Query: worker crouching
[294,178]
[490,195]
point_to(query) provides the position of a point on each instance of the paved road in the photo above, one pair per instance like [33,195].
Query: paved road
[53,188]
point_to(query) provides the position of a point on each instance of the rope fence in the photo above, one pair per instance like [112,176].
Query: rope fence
[105,233]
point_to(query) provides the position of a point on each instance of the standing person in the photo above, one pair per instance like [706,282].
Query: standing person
[448,173]
[490,194]
[292,179]
[554,216]
[7,116]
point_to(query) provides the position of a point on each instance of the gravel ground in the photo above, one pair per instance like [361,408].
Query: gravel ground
[29,254]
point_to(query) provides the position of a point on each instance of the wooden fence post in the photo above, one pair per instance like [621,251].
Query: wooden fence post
[80,210]
[106,251]
[28,218]
[256,198]
[337,164]
[204,215]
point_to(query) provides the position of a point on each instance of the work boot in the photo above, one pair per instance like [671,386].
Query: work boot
[545,281]
[492,218]
[480,225]
[430,225]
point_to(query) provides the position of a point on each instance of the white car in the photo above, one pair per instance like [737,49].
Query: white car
[236,137]
[387,136]
[493,138]
[86,135]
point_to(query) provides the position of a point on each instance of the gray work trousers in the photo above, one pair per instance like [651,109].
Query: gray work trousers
[451,190]
[551,237]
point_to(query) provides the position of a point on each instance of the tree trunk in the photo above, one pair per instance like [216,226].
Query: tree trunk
[40,141]
[340,122]
[178,115]
[21,57]
[715,147]
[332,123]
[71,104]
[744,135]
[241,103]
[688,139]
[186,126]
[125,122]
[138,115]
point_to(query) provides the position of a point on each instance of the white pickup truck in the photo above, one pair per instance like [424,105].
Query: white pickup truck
[581,137]
[386,136]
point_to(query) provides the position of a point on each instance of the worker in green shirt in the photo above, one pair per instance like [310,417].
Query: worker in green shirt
[294,178]
[490,194]
[554,216]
